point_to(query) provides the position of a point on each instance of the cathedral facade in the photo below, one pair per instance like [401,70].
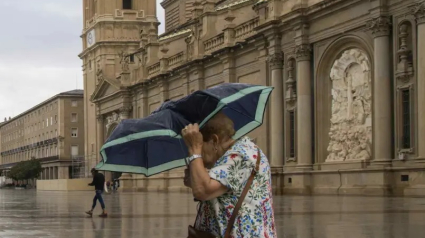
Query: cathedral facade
[347,114]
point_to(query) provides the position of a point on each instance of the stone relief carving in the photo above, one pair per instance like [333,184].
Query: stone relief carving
[114,118]
[351,121]
[405,65]
[291,91]
[124,61]
[99,74]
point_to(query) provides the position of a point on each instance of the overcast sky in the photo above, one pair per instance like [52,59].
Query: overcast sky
[39,46]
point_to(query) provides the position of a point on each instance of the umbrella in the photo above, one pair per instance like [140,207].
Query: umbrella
[153,144]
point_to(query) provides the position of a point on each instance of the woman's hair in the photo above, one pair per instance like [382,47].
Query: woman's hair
[219,125]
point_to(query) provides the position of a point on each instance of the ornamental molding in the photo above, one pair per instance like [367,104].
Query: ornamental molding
[418,10]
[380,26]
[276,60]
[303,52]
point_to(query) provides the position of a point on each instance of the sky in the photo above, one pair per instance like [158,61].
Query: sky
[39,46]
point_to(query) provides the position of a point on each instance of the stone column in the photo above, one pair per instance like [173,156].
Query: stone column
[100,136]
[419,11]
[382,118]
[276,110]
[127,182]
[125,112]
[304,108]
[163,93]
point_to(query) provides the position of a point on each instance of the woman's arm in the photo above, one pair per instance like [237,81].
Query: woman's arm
[203,187]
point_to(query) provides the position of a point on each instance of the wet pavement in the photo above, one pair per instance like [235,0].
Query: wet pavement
[30,213]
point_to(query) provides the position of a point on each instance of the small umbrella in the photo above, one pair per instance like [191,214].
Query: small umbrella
[153,144]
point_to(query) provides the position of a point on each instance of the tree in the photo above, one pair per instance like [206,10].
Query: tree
[24,170]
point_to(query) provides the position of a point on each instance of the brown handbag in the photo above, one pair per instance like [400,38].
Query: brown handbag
[195,233]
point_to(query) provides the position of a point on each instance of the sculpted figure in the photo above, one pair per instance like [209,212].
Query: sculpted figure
[350,132]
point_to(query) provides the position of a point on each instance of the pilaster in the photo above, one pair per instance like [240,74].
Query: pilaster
[304,108]
[275,62]
[228,61]
[382,110]
[100,134]
[418,10]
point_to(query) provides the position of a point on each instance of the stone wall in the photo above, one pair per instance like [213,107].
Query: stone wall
[65,185]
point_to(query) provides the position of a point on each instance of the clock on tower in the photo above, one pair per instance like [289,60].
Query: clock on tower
[91,38]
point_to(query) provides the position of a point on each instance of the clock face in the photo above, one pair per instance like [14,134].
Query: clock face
[91,39]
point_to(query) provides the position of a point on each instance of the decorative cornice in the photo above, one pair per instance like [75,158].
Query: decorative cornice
[126,109]
[231,5]
[276,60]
[100,118]
[178,33]
[380,26]
[418,10]
[303,52]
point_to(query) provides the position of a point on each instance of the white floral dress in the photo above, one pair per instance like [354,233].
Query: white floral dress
[256,217]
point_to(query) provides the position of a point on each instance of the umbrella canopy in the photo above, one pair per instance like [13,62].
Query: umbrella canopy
[153,144]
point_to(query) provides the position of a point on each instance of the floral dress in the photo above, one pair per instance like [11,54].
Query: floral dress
[256,217]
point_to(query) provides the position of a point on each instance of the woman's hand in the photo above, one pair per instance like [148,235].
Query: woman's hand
[186,179]
[193,139]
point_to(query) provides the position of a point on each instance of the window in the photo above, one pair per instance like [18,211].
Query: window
[126,4]
[406,127]
[56,133]
[47,122]
[56,119]
[74,150]
[291,134]
[74,103]
[92,148]
[74,117]
[131,58]
[51,120]
[56,150]
[74,132]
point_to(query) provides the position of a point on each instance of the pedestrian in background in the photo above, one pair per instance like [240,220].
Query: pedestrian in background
[98,183]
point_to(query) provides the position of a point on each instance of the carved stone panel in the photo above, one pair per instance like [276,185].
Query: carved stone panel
[351,121]
[112,119]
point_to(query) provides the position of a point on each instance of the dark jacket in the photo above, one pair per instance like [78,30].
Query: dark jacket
[98,181]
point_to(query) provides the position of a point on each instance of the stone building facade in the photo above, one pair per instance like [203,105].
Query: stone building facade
[51,132]
[346,114]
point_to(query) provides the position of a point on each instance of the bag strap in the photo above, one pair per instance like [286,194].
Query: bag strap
[242,197]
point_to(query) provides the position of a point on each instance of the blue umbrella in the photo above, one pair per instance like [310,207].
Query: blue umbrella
[153,144]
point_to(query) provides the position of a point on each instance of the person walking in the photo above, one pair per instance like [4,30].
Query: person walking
[98,183]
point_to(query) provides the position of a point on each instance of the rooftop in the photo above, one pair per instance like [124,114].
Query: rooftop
[71,93]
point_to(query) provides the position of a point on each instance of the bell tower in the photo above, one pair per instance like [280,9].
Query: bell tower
[111,29]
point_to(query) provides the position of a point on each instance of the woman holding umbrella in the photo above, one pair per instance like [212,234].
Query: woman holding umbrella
[236,193]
